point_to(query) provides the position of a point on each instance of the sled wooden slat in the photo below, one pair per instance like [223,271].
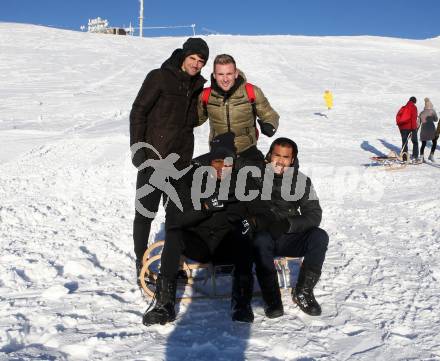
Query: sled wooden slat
[148,274]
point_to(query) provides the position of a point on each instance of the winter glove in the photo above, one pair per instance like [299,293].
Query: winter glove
[277,229]
[263,215]
[212,204]
[267,129]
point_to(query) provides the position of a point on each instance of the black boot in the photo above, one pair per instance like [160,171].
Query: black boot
[270,290]
[242,288]
[138,271]
[303,295]
[163,310]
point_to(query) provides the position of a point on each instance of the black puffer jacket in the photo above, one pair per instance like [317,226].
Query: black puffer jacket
[212,227]
[297,214]
[164,112]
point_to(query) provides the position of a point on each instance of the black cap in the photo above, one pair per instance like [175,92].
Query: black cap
[413,99]
[223,146]
[196,46]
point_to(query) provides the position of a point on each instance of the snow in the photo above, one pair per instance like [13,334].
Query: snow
[67,289]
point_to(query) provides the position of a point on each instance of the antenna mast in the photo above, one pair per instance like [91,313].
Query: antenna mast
[141,18]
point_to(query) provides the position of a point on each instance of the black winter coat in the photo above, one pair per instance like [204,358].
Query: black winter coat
[212,227]
[164,112]
[298,215]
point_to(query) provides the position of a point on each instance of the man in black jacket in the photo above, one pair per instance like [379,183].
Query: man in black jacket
[213,232]
[162,119]
[287,226]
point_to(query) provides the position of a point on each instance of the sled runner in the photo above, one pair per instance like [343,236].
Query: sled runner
[206,280]
[392,161]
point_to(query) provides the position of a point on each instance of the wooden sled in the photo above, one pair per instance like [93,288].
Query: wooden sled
[392,161]
[204,280]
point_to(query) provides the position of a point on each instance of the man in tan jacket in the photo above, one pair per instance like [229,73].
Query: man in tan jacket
[230,109]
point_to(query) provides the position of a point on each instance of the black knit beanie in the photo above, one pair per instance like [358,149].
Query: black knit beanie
[196,46]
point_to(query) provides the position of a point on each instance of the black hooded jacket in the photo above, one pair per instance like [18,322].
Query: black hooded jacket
[210,226]
[164,112]
[300,212]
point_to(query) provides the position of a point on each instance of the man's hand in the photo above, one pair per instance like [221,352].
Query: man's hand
[267,129]
[277,229]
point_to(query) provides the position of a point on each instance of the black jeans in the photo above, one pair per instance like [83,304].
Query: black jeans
[434,145]
[142,224]
[404,134]
[233,249]
[312,245]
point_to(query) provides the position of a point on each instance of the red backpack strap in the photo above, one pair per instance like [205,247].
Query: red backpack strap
[250,92]
[205,96]
[251,96]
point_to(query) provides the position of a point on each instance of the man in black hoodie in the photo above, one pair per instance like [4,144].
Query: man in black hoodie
[162,119]
[209,231]
[287,221]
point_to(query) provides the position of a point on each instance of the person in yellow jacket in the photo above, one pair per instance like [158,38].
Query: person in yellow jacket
[229,109]
[328,97]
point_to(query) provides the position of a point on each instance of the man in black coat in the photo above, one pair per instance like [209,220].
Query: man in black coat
[162,119]
[210,231]
[287,226]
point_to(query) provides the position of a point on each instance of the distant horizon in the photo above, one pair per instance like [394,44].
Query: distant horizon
[384,18]
[146,35]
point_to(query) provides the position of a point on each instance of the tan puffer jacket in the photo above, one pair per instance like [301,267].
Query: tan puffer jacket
[237,112]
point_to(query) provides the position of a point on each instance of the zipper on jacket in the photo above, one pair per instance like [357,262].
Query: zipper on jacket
[228,120]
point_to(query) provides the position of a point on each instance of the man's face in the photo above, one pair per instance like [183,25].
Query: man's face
[225,75]
[223,167]
[281,158]
[193,64]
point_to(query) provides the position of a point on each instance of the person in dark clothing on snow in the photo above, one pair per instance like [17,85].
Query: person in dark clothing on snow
[288,228]
[163,115]
[215,233]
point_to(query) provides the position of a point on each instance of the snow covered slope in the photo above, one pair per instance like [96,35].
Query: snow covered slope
[67,189]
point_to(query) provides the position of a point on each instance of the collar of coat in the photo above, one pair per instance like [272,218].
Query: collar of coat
[174,64]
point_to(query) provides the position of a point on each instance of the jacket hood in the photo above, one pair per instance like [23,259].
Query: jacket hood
[174,61]
[290,143]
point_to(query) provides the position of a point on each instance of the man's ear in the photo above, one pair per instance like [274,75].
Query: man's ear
[236,73]
[213,75]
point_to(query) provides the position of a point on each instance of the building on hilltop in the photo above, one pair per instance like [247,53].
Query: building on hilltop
[102,26]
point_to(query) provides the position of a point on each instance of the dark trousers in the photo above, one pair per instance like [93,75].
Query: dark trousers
[404,134]
[434,145]
[233,249]
[312,245]
[142,224]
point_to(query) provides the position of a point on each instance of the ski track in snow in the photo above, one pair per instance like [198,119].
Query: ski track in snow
[67,289]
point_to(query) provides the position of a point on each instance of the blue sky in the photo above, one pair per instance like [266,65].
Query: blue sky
[396,18]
